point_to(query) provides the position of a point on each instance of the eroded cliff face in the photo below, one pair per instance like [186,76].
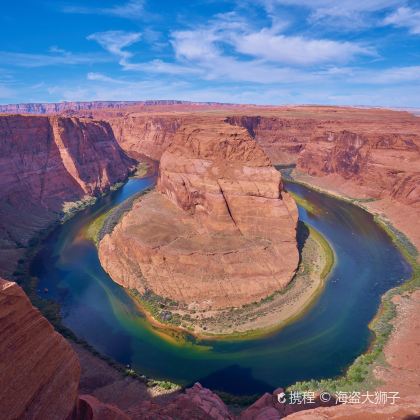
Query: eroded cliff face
[219,232]
[39,372]
[378,150]
[45,162]
[148,135]
[281,138]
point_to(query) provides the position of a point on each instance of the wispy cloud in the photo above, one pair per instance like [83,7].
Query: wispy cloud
[133,9]
[388,76]
[55,58]
[229,48]
[115,42]
[298,50]
[405,17]
[342,14]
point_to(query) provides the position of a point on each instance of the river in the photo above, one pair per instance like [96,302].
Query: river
[320,344]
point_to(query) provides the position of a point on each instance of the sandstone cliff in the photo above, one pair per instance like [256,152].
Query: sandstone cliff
[376,149]
[149,135]
[45,162]
[219,232]
[39,372]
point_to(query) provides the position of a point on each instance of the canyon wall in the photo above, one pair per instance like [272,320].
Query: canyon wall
[39,372]
[218,232]
[377,150]
[374,152]
[148,135]
[44,163]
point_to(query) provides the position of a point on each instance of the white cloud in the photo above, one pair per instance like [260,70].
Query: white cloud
[56,58]
[405,17]
[343,15]
[115,42]
[198,51]
[347,8]
[131,10]
[393,75]
[195,45]
[297,50]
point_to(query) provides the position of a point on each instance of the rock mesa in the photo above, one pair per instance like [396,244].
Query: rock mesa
[218,232]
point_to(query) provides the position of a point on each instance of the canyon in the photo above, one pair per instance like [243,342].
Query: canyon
[46,164]
[218,199]
[47,161]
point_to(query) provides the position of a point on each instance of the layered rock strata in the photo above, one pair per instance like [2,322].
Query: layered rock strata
[218,232]
[46,162]
[39,372]
[374,152]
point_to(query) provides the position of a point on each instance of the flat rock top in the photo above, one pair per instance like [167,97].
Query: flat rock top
[218,142]
[157,222]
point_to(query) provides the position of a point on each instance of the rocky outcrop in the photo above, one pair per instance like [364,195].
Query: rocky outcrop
[39,372]
[46,162]
[219,232]
[197,403]
[90,408]
[407,408]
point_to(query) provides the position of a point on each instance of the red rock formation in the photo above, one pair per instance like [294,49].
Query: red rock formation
[39,372]
[90,408]
[219,233]
[281,138]
[197,403]
[378,150]
[44,162]
[407,408]
[149,135]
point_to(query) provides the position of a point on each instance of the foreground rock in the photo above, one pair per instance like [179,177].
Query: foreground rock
[46,162]
[218,232]
[196,403]
[39,372]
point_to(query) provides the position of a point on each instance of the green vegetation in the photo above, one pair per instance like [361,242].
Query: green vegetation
[160,308]
[107,224]
[71,208]
[167,385]
[327,250]
[95,227]
[141,170]
[307,205]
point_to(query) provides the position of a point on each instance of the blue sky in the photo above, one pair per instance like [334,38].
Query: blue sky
[350,52]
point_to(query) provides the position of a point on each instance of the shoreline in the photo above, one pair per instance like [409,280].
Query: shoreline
[297,386]
[361,373]
[258,319]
